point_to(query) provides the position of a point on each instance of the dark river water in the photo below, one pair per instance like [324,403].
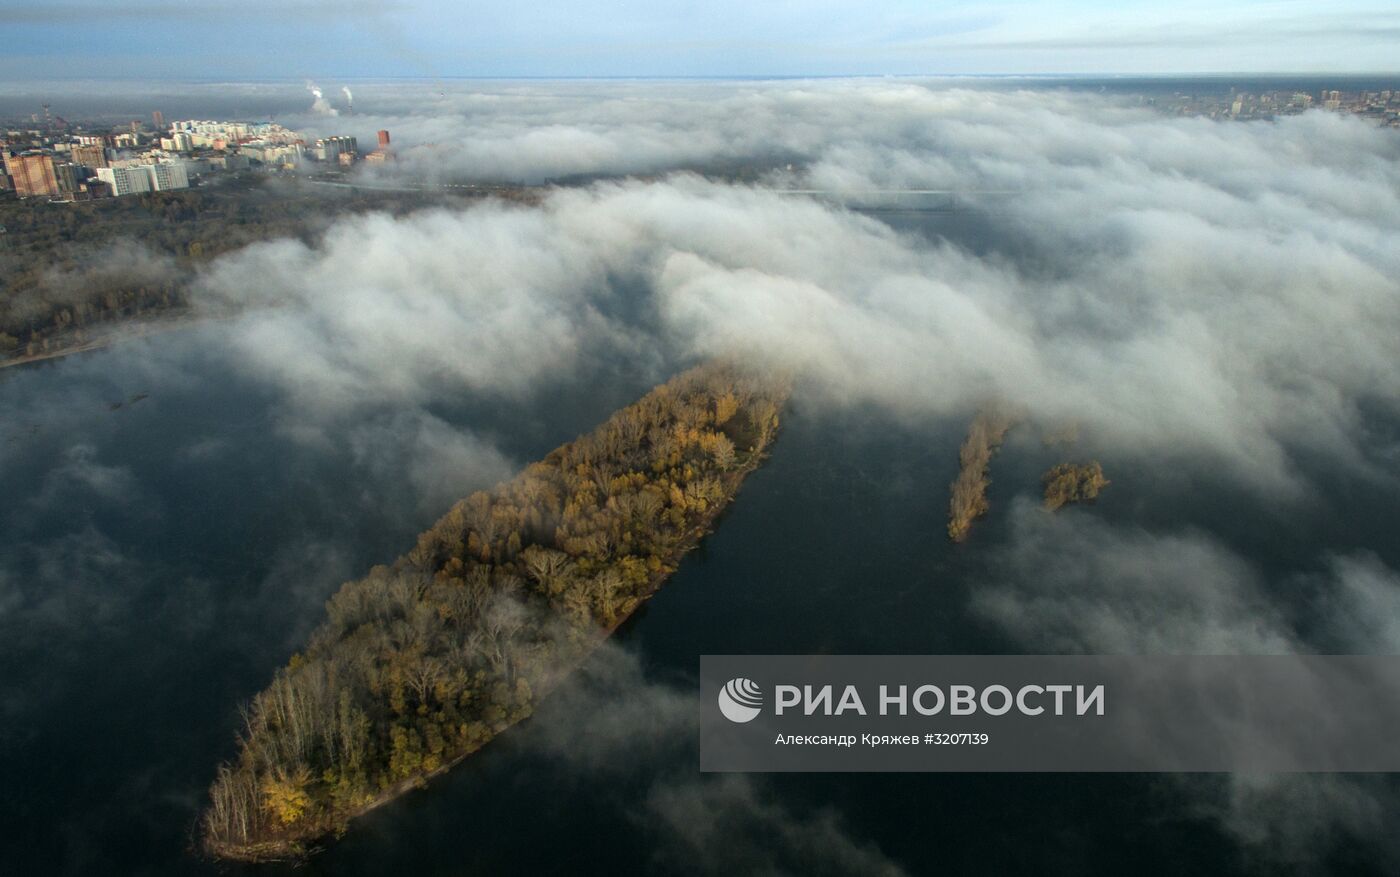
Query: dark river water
[158,560]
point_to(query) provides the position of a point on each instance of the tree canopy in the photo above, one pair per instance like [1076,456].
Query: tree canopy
[1071,482]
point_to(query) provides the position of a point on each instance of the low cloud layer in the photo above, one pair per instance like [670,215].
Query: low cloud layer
[1186,289]
[1073,583]
[611,720]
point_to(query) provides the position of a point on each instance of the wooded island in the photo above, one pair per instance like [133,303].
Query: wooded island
[421,663]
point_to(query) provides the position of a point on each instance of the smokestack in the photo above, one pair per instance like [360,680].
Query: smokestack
[384,140]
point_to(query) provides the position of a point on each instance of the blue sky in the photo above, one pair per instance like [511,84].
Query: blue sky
[550,38]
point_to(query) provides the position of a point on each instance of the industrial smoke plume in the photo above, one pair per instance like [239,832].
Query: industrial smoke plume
[320,104]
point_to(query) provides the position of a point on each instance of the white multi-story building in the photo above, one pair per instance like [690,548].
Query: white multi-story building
[332,148]
[126,180]
[180,142]
[233,131]
[167,175]
[274,154]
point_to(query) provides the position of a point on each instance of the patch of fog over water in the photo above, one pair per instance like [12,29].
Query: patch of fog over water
[1214,306]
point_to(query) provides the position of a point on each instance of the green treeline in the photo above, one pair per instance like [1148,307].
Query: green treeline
[968,500]
[1070,482]
[422,662]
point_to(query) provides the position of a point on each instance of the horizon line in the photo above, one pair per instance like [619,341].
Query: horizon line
[726,77]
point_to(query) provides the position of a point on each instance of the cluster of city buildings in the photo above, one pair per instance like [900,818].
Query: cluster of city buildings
[63,162]
[1379,107]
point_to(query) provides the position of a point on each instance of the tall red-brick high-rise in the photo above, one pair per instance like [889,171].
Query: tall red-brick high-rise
[33,174]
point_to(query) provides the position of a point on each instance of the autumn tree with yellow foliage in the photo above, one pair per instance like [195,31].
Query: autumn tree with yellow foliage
[1069,483]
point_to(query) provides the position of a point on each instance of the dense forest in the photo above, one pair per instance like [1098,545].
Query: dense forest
[420,663]
[70,272]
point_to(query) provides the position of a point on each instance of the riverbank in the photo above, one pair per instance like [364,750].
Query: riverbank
[106,338]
